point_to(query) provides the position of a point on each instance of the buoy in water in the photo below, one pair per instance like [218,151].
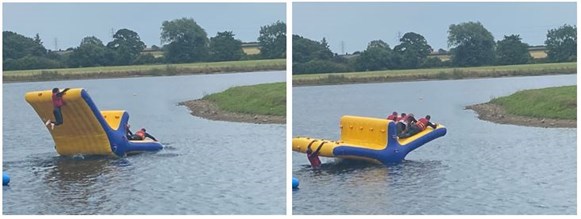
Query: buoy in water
[5,179]
[295,183]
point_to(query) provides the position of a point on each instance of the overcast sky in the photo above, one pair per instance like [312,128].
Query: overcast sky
[353,25]
[68,23]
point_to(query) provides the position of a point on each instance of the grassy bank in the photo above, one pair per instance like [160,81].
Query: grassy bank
[435,74]
[554,103]
[262,99]
[143,70]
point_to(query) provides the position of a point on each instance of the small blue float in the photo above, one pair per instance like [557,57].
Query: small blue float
[5,179]
[295,183]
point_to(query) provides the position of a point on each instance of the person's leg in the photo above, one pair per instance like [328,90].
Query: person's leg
[398,127]
[414,130]
[411,130]
[58,116]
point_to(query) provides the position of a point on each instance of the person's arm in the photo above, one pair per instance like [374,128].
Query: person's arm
[64,91]
[150,136]
[60,94]
[433,125]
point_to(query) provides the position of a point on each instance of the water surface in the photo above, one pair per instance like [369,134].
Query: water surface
[207,167]
[479,167]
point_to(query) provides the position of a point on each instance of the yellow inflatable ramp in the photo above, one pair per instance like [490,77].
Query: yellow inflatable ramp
[85,129]
[368,139]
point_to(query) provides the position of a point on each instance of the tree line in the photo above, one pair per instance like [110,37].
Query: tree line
[471,45]
[184,41]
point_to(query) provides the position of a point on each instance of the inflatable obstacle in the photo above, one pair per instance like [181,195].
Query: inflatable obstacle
[86,130]
[369,139]
[295,183]
[5,179]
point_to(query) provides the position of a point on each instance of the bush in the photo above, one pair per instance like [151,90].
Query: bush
[145,59]
[320,66]
[432,62]
[31,62]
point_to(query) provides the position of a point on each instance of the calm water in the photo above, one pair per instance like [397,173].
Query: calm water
[207,167]
[478,168]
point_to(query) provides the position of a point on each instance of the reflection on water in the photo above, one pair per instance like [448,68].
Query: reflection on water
[207,167]
[477,168]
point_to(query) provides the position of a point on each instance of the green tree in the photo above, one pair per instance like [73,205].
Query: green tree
[91,52]
[511,51]
[377,44]
[305,50]
[413,50]
[377,56]
[223,47]
[15,46]
[562,43]
[474,45]
[127,45]
[272,40]
[187,41]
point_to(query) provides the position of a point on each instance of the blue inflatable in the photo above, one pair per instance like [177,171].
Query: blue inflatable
[295,183]
[5,179]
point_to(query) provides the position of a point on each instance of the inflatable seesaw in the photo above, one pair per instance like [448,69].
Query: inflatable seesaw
[86,130]
[370,139]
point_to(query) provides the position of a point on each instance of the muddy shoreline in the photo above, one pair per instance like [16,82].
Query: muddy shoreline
[497,114]
[209,110]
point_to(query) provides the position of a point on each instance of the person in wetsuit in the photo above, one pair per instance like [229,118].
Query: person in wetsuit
[57,103]
[313,156]
[140,135]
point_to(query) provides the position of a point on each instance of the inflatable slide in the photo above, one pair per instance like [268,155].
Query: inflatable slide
[369,139]
[86,130]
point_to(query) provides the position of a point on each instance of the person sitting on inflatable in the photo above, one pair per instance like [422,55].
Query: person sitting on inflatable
[140,135]
[393,116]
[417,126]
[403,122]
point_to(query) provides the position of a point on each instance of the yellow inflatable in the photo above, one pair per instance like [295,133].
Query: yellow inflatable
[86,130]
[370,139]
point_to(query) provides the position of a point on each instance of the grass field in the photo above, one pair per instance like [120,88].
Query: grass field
[144,70]
[263,99]
[434,74]
[554,102]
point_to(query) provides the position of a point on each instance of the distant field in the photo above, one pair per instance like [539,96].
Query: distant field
[536,54]
[539,54]
[251,50]
[144,70]
[434,73]
[155,54]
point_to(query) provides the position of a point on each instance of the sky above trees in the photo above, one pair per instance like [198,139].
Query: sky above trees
[349,27]
[68,23]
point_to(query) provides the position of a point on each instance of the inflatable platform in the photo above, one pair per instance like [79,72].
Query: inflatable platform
[370,139]
[86,130]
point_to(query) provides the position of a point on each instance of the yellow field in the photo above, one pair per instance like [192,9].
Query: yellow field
[536,54]
[251,50]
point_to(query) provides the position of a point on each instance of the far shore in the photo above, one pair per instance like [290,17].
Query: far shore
[209,110]
[260,104]
[143,70]
[495,113]
[434,74]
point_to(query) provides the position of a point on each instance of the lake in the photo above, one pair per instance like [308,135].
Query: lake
[207,167]
[478,168]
